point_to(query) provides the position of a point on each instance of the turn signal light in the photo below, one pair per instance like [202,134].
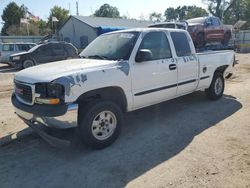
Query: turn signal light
[47,101]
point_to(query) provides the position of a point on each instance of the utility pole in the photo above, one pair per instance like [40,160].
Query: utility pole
[69,9]
[77,12]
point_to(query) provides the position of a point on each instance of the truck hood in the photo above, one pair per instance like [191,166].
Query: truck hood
[51,71]
[20,53]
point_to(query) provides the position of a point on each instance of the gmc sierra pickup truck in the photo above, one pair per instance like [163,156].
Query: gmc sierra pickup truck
[118,72]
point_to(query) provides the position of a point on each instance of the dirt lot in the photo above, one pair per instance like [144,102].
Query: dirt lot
[186,142]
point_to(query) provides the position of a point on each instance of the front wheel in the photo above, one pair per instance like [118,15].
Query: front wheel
[216,89]
[99,123]
[28,63]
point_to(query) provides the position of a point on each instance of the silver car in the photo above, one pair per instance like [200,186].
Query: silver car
[7,49]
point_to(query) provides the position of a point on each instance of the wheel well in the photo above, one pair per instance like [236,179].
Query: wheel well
[114,94]
[221,69]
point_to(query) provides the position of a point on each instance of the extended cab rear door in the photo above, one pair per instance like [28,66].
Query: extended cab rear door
[187,63]
[153,80]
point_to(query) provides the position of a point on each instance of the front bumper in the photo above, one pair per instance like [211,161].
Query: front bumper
[62,116]
[17,64]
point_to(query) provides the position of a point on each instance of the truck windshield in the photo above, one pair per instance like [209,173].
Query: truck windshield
[114,46]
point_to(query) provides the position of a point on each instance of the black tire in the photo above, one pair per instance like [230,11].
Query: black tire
[200,40]
[90,112]
[226,39]
[216,89]
[28,63]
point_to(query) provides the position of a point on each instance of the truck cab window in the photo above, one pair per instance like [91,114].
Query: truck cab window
[158,44]
[216,22]
[57,49]
[8,47]
[181,44]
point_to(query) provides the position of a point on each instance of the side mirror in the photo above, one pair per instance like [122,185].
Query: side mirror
[143,55]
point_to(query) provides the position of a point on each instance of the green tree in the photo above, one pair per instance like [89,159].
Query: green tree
[238,11]
[11,16]
[171,14]
[219,8]
[22,30]
[43,27]
[193,12]
[155,17]
[184,13]
[107,11]
[61,14]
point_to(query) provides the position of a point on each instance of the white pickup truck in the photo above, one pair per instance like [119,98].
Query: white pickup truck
[118,72]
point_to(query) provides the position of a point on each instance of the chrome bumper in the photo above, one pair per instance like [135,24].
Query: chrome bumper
[68,120]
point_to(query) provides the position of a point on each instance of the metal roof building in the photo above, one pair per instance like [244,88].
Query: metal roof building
[81,30]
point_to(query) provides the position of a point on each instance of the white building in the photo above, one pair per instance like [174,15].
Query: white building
[81,30]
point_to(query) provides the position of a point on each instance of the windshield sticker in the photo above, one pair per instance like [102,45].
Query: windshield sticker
[127,35]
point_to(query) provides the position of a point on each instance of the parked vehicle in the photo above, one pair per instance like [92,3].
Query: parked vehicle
[119,72]
[44,53]
[208,29]
[174,25]
[7,49]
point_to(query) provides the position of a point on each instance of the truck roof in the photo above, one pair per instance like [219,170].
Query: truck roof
[145,30]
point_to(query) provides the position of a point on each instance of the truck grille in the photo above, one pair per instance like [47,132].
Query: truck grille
[23,92]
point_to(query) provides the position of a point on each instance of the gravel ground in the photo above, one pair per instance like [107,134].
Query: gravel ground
[185,142]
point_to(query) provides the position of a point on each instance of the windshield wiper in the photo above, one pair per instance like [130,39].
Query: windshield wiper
[97,57]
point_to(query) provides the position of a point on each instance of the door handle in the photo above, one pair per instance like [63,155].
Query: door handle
[172,66]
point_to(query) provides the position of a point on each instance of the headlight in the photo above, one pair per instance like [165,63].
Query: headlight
[49,93]
[16,58]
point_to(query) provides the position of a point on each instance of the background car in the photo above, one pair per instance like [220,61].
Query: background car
[44,53]
[7,49]
[208,29]
[175,25]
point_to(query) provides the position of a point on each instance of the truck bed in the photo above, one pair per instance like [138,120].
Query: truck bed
[210,60]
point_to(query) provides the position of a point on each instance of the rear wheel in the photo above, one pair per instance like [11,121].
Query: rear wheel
[28,63]
[216,89]
[99,123]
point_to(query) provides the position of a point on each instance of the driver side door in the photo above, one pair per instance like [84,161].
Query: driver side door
[155,79]
[43,54]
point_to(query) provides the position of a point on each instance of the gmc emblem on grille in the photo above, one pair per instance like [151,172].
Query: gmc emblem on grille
[19,91]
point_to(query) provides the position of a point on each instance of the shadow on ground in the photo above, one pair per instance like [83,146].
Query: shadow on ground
[151,136]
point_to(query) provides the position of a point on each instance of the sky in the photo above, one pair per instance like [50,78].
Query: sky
[130,8]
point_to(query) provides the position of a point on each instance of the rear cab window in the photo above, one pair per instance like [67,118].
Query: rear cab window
[22,47]
[181,44]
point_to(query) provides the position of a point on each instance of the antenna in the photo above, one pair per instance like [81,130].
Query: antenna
[77,12]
